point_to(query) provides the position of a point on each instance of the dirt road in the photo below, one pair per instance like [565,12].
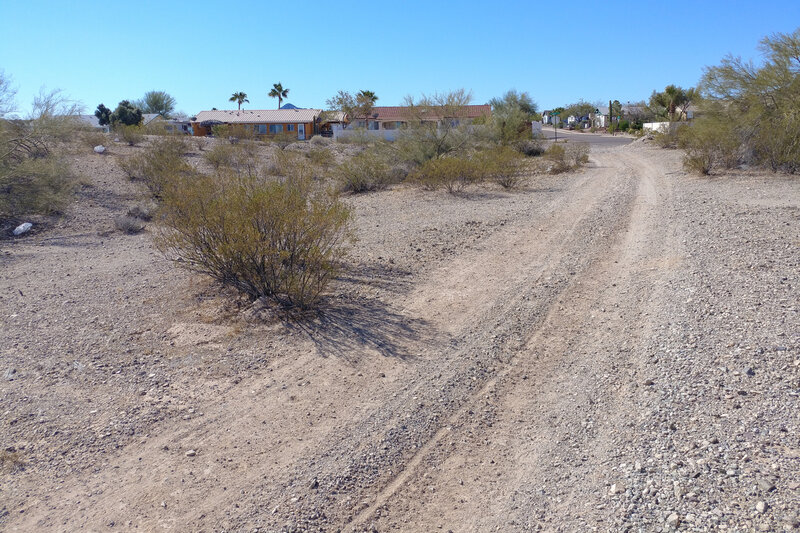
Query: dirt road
[612,350]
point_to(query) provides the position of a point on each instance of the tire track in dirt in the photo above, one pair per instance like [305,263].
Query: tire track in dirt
[485,306]
[546,391]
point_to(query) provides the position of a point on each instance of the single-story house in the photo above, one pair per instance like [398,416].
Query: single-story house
[394,117]
[300,122]
[91,121]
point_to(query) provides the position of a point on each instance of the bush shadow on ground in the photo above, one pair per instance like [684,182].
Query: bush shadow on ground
[349,327]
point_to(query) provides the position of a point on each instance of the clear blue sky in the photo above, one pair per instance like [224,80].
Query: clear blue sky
[201,51]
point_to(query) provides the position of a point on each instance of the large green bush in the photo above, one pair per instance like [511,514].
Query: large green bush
[278,239]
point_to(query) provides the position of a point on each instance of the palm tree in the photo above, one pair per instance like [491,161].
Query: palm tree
[365,101]
[239,98]
[278,92]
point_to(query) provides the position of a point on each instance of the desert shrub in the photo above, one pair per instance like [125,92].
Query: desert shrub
[365,172]
[624,125]
[530,147]
[710,143]
[455,174]
[777,145]
[578,154]
[321,157]
[319,140]
[132,135]
[34,185]
[698,161]
[283,139]
[501,165]
[143,211]
[557,155]
[220,155]
[128,224]
[565,157]
[278,239]
[159,163]
[33,178]
[90,139]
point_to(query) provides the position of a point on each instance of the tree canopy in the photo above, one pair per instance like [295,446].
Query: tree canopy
[127,114]
[103,115]
[158,102]
[512,115]
[353,107]
[239,98]
[673,102]
[278,92]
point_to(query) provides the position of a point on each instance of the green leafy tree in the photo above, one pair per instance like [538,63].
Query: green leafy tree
[512,115]
[672,102]
[353,107]
[239,98]
[762,100]
[581,108]
[103,115]
[278,92]
[158,102]
[126,114]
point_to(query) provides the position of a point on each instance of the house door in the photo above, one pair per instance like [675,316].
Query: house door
[301,132]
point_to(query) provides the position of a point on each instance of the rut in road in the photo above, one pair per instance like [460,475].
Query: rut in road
[490,303]
[536,442]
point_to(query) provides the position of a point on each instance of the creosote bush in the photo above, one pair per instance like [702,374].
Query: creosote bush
[34,178]
[34,185]
[501,165]
[161,162]
[277,239]
[454,174]
[128,224]
[367,171]
[132,135]
[565,157]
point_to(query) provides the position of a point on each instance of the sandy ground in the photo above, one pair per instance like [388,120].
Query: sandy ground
[615,349]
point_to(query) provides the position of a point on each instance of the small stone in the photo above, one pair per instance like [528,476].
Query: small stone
[761,507]
[673,520]
[22,228]
[99,149]
[766,485]
[616,488]
[10,374]
[749,371]
[164,505]
[191,453]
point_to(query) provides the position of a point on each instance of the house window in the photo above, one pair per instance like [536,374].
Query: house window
[360,124]
[275,128]
[261,129]
[374,125]
[390,125]
[290,127]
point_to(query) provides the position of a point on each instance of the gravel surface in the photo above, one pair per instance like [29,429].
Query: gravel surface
[615,349]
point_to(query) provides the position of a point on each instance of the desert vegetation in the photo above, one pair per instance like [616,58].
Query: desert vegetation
[33,176]
[748,112]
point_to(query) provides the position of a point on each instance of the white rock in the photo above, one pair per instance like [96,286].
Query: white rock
[23,228]
[99,149]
